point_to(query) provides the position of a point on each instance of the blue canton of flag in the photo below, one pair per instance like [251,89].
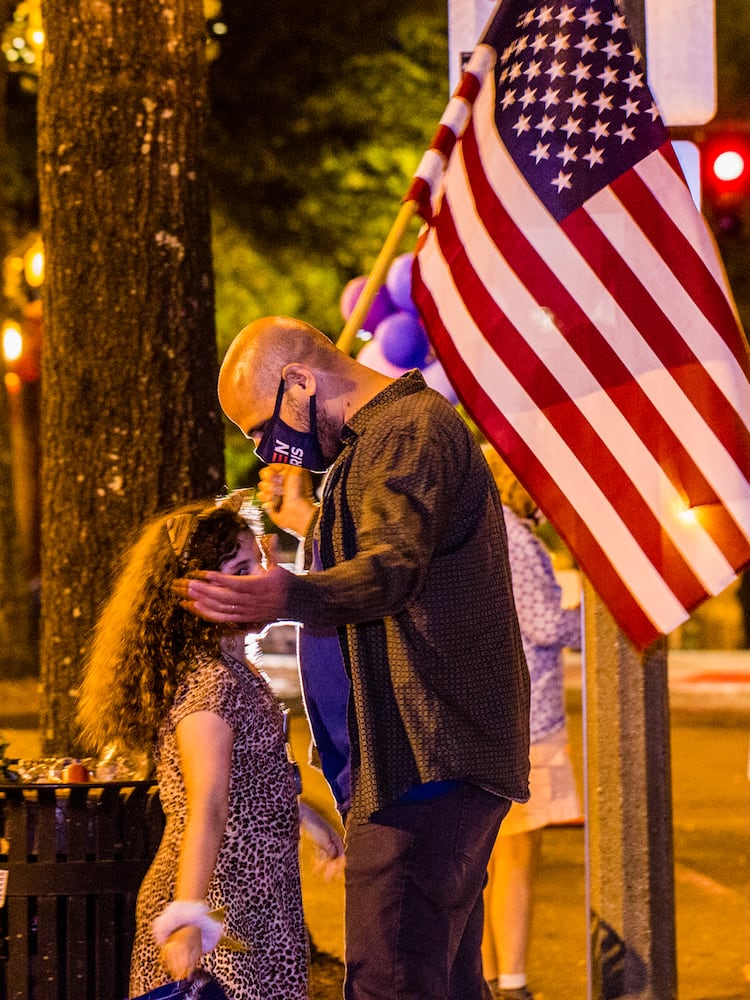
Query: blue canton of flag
[571,90]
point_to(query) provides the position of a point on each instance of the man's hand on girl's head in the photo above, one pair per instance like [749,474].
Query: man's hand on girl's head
[249,601]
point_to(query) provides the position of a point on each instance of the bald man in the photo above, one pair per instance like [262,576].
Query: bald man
[414,574]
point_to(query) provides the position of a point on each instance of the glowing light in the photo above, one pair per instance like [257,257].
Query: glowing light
[219,28]
[729,165]
[12,383]
[12,342]
[688,516]
[33,264]
[37,37]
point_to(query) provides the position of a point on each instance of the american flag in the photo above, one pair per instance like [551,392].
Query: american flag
[577,302]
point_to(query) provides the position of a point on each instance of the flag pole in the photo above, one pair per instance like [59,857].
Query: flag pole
[377,275]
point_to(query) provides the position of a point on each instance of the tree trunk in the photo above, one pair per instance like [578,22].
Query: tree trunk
[130,420]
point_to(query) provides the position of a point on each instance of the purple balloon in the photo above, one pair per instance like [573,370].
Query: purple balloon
[371,356]
[398,282]
[352,291]
[403,340]
[382,305]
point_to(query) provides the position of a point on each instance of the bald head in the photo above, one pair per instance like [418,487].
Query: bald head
[263,351]
[257,355]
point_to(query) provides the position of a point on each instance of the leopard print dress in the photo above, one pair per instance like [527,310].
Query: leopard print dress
[256,879]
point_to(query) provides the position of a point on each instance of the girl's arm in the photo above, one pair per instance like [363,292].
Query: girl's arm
[329,847]
[205,744]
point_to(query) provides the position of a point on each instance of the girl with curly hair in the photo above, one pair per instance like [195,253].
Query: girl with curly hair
[223,891]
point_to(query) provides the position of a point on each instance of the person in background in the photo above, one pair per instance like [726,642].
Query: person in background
[223,891]
[546,628]
[415,576]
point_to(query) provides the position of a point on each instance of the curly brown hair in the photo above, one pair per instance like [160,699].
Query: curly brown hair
[145,642]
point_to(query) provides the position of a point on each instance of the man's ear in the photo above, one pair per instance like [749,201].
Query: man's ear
[300,375]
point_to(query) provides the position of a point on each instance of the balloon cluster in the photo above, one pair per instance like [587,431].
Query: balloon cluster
[397,339]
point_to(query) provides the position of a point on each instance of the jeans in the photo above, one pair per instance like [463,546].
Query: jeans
[414,879]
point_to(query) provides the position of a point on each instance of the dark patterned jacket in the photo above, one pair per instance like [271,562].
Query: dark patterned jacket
[413,542]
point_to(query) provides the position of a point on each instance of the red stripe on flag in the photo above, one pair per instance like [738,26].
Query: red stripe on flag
[468,88]
[420,192]
[598,355]
[444,141]
[683,259]
[592,560]
[565,416]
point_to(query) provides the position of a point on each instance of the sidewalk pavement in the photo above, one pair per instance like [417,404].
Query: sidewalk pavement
[712,685]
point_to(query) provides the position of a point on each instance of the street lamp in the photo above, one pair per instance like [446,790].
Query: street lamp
[12,341]
[33,264]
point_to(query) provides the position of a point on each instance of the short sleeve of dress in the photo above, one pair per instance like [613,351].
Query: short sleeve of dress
[209,688]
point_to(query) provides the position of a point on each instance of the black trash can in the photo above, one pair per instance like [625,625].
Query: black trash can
[74,858]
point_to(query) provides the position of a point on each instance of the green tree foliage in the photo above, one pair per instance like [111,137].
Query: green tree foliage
[732,48]
[320,117]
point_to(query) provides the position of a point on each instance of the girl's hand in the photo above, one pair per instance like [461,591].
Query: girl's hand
[285,493]
[182,952]
[327,842]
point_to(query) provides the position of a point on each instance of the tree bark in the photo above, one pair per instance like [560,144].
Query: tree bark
[130,419]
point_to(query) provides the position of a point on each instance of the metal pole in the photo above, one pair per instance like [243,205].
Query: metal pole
[629,854]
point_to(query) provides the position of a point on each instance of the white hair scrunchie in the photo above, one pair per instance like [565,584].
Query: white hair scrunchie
[184,912]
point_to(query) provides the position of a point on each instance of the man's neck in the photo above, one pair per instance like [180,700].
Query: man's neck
[369,386]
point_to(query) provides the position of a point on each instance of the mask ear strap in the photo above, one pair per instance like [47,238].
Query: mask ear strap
[279,397]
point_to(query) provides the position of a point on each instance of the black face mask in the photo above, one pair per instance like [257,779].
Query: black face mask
[282,443]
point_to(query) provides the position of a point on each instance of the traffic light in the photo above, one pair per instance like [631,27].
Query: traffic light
[725,174]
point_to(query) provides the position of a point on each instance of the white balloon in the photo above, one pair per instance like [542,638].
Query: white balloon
[435,377]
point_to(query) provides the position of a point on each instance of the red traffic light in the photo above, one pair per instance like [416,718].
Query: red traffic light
[725,172]
[727,165]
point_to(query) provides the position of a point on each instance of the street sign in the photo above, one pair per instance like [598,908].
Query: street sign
[680,51]
[690,160]
[467,20]
[681,56]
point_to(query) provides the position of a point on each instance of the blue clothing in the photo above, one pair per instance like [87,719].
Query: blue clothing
[325,690]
